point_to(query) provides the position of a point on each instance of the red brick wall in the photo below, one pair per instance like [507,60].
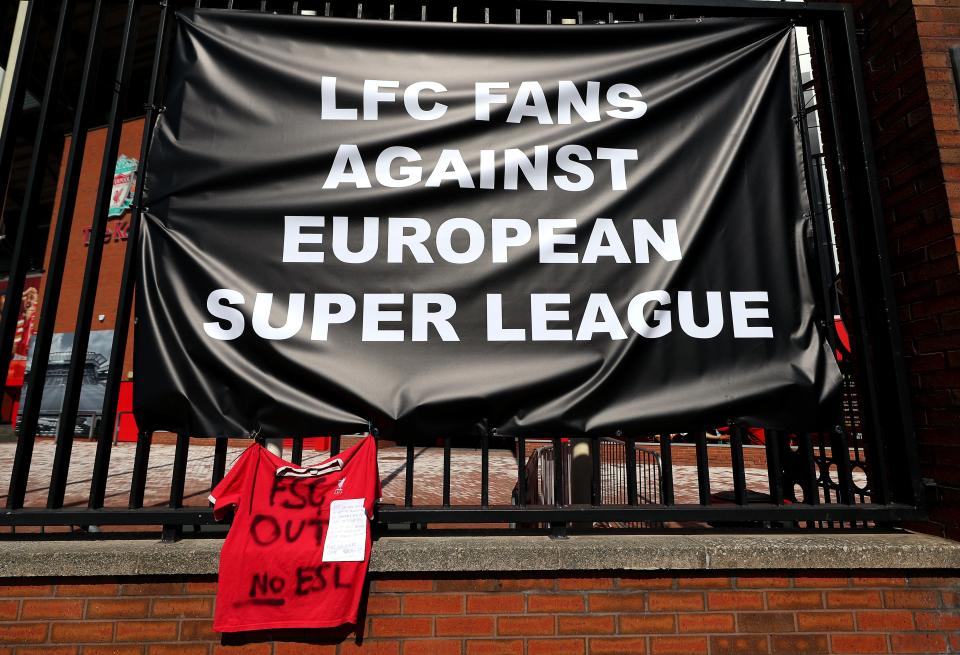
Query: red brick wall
[632,613]
[938,26]
[913,108]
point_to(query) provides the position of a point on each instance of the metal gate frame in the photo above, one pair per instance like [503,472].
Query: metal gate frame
[895,481]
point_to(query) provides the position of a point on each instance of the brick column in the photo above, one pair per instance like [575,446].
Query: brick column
[913,106]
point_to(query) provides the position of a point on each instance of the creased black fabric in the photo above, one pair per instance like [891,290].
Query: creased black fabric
[241,145]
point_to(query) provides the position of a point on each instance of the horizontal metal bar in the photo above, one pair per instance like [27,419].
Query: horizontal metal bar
[752,8]
[146,516]
[494,514]
[627,513]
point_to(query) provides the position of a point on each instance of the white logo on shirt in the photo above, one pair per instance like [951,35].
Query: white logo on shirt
[339,490]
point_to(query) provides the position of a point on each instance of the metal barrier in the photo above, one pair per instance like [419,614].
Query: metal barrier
[542,475]
[863,473]
[612,475]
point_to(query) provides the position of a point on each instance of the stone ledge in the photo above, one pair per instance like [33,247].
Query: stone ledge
[681,552]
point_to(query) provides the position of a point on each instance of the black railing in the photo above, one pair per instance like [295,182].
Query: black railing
[103,63]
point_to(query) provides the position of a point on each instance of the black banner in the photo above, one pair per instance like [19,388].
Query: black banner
[545,230]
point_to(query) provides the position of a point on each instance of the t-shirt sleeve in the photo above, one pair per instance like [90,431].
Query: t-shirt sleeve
[229,492]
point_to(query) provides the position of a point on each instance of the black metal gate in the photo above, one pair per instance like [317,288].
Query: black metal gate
[100,63]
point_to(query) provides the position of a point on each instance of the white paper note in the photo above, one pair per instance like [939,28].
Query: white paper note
[347,532]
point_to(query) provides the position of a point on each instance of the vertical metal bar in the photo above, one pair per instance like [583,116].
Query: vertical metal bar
[81,334]
[446,471]
[840,453]
[736,461]
[408,480]
[649,486]
[19,9]
[141,463]
[623,477]
[666,479]
[38,161]
[703,467]
[558,473]
[955,62]
[19,73]
[810,494]
[630,457]
[774,470]
[179,477]
[657,467]
[595,495]
[522,471]
[823,473]
[650,493]
[818,211]
[334,445]
[611,486]
[219,461]
[654,486]
[296,453]
[822,468]
[54,275]
[11,119]
[177,482]
[485,469]
[558,529]
[121,327]
[621,483]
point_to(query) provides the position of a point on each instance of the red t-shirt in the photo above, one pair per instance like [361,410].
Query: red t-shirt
[272,573]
